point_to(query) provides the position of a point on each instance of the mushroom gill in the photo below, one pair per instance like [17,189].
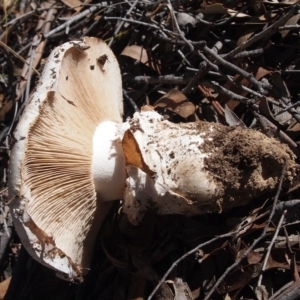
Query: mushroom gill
[54,206]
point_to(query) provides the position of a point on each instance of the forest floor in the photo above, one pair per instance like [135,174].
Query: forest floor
[232,62]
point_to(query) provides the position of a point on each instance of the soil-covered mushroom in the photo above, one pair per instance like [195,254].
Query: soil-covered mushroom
[200,167]
[54,201]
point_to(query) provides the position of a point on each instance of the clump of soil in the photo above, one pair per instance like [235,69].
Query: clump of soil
[246,164]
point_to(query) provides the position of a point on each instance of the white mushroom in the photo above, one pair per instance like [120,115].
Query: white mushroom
[54,202]
[73,156]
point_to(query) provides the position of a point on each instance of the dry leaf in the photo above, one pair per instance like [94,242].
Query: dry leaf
[176,102]
[133,153]
[140,54]
[232,119]
[237,279]
[3,287]
[75,4]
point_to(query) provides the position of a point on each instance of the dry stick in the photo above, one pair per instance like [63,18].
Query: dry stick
[281,290]
[181,34]
[255,242]
[293,263]
[287,205]
[273,131]
[33,50]
[280,207]
[166,79]
[267,33]
[17,55]
[160,28]
[210,64]
[122,22]
[235,68]
[203,69]
[249,53]
[28,14]
[287,108]
[293,111]
[78,25]
[215,85]
[131,101]
[199,44]
[183,57]
[270,248]
[290,293]
[186,255]
[69,22]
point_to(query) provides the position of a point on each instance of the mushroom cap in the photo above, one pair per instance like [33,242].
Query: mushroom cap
[54,203]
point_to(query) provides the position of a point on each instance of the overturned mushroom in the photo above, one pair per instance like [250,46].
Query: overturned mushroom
[54,201]
[72,156]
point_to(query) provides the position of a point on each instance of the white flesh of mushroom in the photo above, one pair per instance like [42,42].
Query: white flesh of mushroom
[108,165]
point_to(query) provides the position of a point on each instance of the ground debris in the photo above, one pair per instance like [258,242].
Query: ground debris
[216,62]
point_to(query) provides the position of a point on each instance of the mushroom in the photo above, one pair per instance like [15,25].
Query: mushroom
[73,155]
[198,168]
[55,180]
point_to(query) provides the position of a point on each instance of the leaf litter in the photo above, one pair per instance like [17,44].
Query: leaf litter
[231,62]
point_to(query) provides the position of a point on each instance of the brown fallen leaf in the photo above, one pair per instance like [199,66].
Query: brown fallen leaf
[133,153]
[3,287]
[140,54]
[176,102]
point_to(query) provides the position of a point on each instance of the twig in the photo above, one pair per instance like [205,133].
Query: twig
[28,14]
[130,100]
[17,55]
[167,79]
[122,22]
[160,28]
[199,44]
[204,68]
[181,34]
[210,64]
[281,290]
[255,242]
[174,265]
[265,34]
[250,53]
[273,131]
[290,293]
[270,248]
[229,93]
[292,110]
[67,24]
[248,76]
[287,108]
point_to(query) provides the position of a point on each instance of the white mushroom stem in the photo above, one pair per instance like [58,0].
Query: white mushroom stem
[108,163]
